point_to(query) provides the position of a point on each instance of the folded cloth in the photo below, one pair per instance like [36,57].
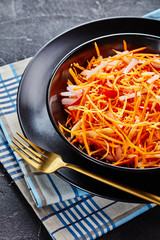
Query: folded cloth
[154,15]
[46,189]
[66,211]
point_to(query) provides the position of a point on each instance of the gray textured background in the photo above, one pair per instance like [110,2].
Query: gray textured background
[25,26]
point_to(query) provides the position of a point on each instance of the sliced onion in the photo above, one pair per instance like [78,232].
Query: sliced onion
[152,79]
[85,72]
[109,157]
[129,96]
[132,64]
[131,133]
[147,74]
[71,101]
[132,95]
[121,53]
[109,83]
[113,63]
[68,101]
[89,73]
[142,61]
[76,127]
[156,63]
[70,88]
[126,60]
[106,131]
[67,94]
[118,153]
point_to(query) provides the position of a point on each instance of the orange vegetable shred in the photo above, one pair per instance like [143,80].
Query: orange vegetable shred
[113,107]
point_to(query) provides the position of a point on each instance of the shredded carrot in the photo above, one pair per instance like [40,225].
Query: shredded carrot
[77,81]
[78,66]
[124,45]
[97,50]
[116,115]
[84,134]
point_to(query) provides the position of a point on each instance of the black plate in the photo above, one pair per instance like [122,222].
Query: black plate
[33,115]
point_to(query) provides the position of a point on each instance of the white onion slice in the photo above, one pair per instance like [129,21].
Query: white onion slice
[121,53]
[67,94]
[132,64]
[129,96]
[132,95]
[70,88]
[109,157]
[156,63]
[91,72]
[152,79]
[118,153]
[68,101]
[85,72]
[76,127]
[147,74]
[108,83]
[113,63]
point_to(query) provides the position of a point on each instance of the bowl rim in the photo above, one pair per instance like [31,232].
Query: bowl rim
[60,63]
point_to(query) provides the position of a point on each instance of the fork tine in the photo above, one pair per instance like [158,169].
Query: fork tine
[28,153]
[31,150]
[28,160]
[39,149]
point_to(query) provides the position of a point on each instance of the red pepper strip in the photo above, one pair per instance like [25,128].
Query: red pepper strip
[110,93]
[157,107]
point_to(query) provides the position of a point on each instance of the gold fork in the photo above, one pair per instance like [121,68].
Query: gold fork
[48,162]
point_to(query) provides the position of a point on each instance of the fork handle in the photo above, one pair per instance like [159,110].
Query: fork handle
[136,192]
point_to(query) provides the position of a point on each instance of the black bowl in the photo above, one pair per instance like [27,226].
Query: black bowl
[80,55]
[33,107]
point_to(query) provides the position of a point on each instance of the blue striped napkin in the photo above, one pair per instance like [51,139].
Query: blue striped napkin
[154,15]
[67,212]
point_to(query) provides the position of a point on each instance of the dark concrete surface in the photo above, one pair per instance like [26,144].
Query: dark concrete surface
[25,26]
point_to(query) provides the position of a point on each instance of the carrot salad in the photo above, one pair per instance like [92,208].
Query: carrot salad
[113,108]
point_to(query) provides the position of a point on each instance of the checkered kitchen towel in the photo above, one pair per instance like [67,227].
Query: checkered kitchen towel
[67,212]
